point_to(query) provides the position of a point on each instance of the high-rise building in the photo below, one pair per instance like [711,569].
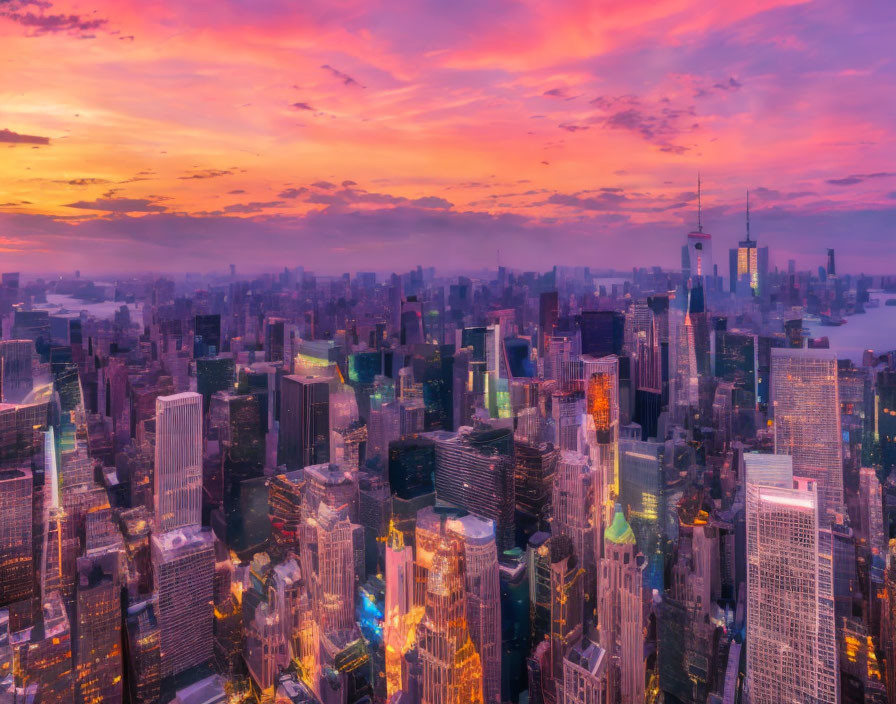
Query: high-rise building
[791,643]
[178,470]
[807,419]
[748,264]
[16,547]
[696,254]
[603,332]
[534,478]
[642,495]
[737,362]
[16,377]
[183,572]
[42,654]
[572,510]
[482,587]
[412,466]
[685,375]
[98,658]
[451,667]
[143,651]
[285,508]
[566,598]
[397,612]
[332,485]
[214,374]
[304,421]
[207,335]
[621,612]
[328,560]
[474,471]
[600,378]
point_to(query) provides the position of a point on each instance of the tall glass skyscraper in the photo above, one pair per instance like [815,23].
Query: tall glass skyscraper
[807,419]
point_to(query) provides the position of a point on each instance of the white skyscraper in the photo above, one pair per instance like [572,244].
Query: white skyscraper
[178,475]
[807,419]
[791,643]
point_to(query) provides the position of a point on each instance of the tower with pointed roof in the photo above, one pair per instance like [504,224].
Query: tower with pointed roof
[621,613]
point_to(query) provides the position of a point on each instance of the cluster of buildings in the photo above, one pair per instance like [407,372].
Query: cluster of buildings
[553,488]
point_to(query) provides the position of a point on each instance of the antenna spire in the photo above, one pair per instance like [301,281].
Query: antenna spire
[699,206]
[748,215]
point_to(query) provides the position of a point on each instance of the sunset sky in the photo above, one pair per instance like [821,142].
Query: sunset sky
[346,135]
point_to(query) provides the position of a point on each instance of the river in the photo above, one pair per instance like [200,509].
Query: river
[873,330]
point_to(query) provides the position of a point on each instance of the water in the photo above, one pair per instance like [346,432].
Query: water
[874,330]
[104,310]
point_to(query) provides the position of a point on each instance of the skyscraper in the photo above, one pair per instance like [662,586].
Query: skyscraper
[328,559]
[696,254]
[621,612]
[42,654]
[16,378]
[573,511]
[98,659]
[183,572]
[304,421]
[482,586]
[807,419]
[16,548]
[397,613]
[178,474]
[791,644]
[474,471]
[603,332]
[642,495]
[452,670]
[746,275]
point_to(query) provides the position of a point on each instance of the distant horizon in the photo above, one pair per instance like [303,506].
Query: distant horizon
[351,136]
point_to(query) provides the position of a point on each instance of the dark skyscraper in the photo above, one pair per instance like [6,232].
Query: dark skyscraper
[304,421]
[603,332]
[207,335]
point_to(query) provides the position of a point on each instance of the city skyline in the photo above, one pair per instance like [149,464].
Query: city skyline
[180,138]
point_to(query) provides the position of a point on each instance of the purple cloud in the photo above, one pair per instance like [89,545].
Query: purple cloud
[53,24]
[344,77]
[562,93]
[206,173]
[10,137]
[253,207]
[292,192]
[858,178]
[119,205]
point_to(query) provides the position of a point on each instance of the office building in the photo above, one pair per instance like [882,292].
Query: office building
[807,419]
[474,471]
[98,654]
[16,376]
[304,421]
[16,546]
[178,465]
[183,572]
[791,643]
